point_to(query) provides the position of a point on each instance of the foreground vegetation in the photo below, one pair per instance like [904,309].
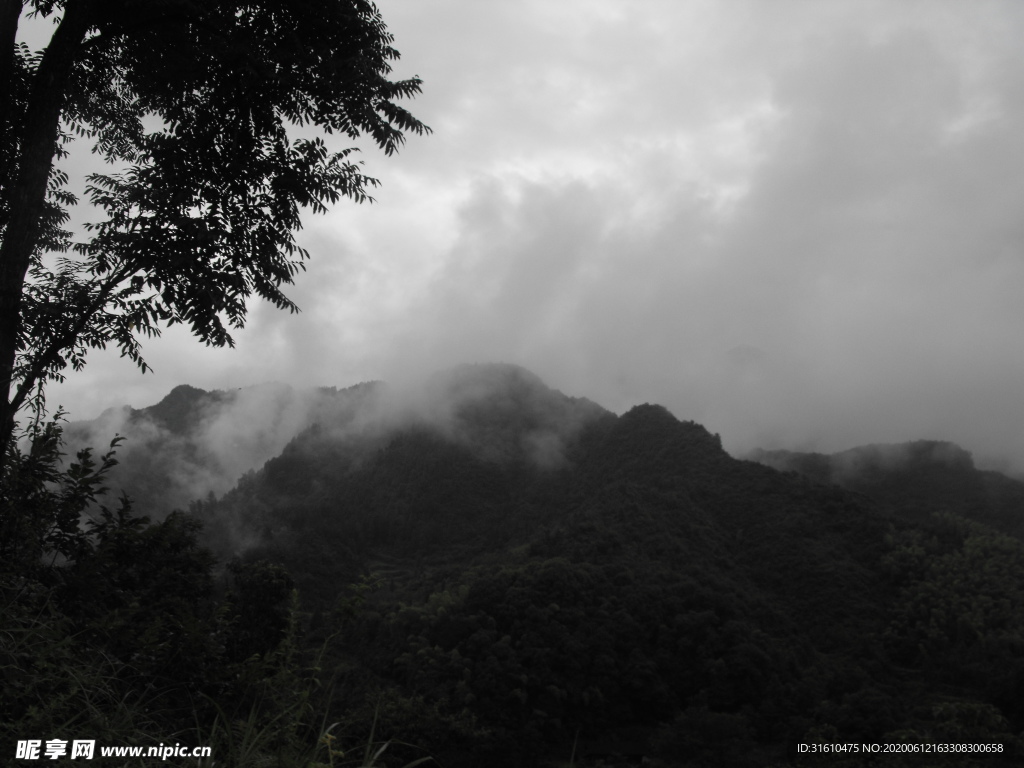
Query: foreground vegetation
[124,631]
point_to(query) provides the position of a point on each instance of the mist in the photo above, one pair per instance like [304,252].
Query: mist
[795,223]
[209,441]
[194,443]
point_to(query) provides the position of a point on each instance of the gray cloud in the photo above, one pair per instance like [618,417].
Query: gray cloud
[796,222]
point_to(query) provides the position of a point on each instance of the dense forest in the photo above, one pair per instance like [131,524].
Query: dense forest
[493,573]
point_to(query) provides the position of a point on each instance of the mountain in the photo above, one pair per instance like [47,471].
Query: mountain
[915,479]
[509,576]
[194,443]
[453,458]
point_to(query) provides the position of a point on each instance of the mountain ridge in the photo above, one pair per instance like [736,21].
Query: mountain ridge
[918,478]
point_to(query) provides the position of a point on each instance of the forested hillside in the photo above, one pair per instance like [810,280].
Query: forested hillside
[492,573]
[915,480]
[519,576]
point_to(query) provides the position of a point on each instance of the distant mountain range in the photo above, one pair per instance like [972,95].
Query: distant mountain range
[194,442]
[915,480]
[510,575]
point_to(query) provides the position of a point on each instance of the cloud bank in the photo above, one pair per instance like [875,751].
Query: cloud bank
[797,223]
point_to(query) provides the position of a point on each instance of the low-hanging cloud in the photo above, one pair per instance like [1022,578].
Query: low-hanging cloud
[165,464]
[195,444]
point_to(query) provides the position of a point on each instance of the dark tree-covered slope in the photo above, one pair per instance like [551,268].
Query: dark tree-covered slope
[915,479]
[508,572]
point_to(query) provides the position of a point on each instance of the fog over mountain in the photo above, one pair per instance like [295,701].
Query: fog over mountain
[194,443]
[797,223]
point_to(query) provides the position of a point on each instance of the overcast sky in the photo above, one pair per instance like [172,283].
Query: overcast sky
[797,222]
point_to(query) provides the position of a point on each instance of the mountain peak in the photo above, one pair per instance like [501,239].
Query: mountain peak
[180,410]
[500,385]
[658,418]
[647,413]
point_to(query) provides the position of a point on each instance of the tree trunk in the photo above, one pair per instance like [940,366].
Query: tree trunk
[10,14]
[25,186]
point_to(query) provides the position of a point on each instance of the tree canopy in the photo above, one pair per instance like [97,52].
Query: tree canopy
[211,117]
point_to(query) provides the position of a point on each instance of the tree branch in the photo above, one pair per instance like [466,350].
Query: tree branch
[51,353]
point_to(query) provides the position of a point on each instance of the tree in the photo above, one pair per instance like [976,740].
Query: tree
[211,116]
